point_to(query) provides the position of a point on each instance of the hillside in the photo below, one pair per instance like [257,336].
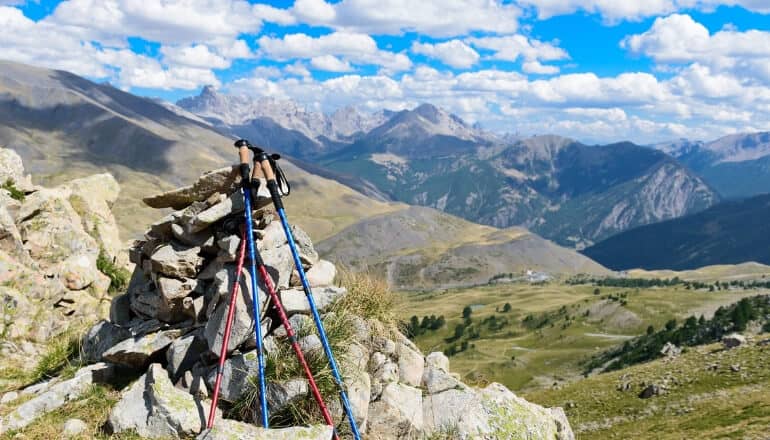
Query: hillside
[421,247]
[549,331]
[729,233]
[709,393]
[65,127]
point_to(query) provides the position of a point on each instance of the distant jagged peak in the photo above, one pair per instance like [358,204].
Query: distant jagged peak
[737,147]
[740,147]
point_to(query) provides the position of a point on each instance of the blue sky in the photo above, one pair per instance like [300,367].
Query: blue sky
[596,70]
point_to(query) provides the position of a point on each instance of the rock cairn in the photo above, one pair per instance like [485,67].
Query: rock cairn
[167,329]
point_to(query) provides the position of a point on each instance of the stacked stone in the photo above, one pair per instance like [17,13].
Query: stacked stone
[174,310]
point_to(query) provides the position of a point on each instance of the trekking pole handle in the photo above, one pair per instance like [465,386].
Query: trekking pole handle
[267,168]
[243,155]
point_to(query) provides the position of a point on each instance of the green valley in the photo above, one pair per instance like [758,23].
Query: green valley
[551,329]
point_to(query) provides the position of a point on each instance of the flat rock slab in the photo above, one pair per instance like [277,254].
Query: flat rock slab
[101,337]
[223,180]
[137,352]
[295,301]
[56,396]
[231,430]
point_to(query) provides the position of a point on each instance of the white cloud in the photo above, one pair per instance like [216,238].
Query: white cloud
[536,67]
[441,18]
[297,69]
[614,11]
[610,114]
[511,47]
[611,10]
[330,63]
[351,47]
[194,56]
[679,38]
[169,21]
[71,50]
[453,53]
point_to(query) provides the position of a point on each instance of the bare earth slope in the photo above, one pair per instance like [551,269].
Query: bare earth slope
[423,247]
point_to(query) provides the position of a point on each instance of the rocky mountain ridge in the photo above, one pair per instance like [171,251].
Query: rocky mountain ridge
[736,165]
[571,193]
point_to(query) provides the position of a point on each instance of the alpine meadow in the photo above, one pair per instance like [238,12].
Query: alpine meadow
[359,219]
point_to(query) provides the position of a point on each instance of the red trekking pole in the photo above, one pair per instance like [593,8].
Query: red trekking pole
[228,329]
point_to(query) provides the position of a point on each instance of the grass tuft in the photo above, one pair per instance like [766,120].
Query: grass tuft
[118,276]
[282,365]
[369,297]
[61,357]
[16,193]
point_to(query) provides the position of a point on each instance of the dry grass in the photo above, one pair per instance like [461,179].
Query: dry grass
[369,297]
[282,365]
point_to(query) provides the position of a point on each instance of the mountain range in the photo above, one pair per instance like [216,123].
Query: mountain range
[65,126]
[736,166]
[365,168]
[566,191]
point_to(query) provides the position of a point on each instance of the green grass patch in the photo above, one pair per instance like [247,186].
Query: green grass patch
[62,356]
[16,194]
[118,276]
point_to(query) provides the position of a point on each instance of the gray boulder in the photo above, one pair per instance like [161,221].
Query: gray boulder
[183,353]
[410,365]
[176,260]
[243,321]
[154,408]
[397,414]
[322,274]
[55,396]
[281,394]
[733,340]
[100,338]
[136,352]
[222,180]
[435,381]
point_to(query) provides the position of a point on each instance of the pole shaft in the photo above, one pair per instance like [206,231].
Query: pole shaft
[255,305]
[228,329]
[316,317]
[294,343]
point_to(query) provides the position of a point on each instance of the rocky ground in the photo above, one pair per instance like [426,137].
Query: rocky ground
[166,329]
[52,241]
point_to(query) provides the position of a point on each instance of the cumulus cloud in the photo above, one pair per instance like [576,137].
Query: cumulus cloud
[330,63]
[440,18]
[611,10]
[536,67]
[453,53]
[513,47]
[351,47]
[74,51]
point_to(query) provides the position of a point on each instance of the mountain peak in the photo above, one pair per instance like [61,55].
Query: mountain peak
[429,112]
[208,90]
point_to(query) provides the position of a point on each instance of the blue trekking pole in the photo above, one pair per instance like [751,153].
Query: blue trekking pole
[243,153]
[267,164]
